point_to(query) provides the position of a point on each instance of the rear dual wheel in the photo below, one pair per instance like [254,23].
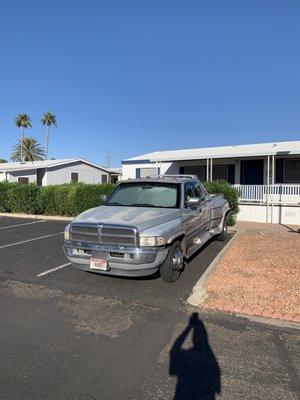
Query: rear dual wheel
[223,235]
[171,269]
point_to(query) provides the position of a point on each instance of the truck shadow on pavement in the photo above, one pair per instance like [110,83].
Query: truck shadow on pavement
[197,369]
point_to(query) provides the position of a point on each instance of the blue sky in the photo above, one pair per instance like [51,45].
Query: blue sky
[132,77]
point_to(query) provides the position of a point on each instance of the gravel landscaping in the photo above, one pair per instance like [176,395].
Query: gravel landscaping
[260,273]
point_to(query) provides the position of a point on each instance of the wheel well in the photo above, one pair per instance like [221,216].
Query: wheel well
[180,239]
[176,239]
[227,214]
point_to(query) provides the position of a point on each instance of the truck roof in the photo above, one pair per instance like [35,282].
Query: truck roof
[165,178]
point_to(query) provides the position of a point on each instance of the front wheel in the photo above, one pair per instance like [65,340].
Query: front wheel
[171,269]
[223,235]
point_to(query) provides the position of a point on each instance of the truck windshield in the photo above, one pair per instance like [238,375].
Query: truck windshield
[152,194]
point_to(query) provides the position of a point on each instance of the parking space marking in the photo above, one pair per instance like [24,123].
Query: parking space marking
[25,223]
[30,240]
[53,269]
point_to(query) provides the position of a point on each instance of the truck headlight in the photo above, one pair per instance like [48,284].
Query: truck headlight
[152,241]
[67,232]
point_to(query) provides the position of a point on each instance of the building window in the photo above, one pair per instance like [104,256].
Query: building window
[104,179]
[145,172]
[23,181]
[74,177]
[292,171]
[200,172]
[220,173]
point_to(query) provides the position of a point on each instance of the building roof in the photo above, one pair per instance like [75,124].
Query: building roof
[21,166]
[116,171]
[245,150]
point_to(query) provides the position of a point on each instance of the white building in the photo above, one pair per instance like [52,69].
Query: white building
[54,172]
[115,174]
[266,175]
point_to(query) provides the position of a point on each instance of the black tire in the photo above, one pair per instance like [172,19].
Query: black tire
[171,269]
[223,235]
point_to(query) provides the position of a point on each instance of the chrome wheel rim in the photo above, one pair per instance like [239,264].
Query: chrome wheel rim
[225,228]
[177,260]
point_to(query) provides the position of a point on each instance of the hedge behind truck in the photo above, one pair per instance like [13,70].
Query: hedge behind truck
[70,199]
[73,198]
[66,200]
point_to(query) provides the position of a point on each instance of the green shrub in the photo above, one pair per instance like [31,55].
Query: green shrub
[66,200]
[21,198]
[3,196]
[70,199]
[53,200]
[229,193]
[45,200]
[88,196]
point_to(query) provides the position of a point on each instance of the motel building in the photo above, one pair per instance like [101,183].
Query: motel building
[266,175]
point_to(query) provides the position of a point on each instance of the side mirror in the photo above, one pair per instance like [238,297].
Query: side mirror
[103,197]
[194,201]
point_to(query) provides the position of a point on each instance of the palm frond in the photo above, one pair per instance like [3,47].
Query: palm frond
[49,119]
[22,120]
[32,150]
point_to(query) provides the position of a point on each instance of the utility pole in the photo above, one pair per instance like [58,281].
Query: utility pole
[108,159]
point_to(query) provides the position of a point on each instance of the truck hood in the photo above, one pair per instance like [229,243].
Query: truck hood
[140,217]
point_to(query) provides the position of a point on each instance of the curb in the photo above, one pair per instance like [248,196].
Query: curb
[272,320]
[199,293]
[35,216]
[295,318]
[267,317]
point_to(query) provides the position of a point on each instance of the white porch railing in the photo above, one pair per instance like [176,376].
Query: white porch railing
[278,194]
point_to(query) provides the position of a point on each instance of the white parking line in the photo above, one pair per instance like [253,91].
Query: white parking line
[30,240]
[25,223]
[53,269]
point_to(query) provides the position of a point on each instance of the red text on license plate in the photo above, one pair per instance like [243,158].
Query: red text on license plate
[98,263]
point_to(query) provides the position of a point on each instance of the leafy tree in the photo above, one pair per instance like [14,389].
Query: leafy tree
[23,122]
[2,161]
[48,119]
[31,150]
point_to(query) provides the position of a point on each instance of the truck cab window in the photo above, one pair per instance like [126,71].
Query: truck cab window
[189,192]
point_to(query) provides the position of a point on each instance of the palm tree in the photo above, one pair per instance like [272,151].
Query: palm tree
[48,119]
[22,121]
[30,149]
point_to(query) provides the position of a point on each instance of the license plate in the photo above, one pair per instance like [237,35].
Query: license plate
[99,264]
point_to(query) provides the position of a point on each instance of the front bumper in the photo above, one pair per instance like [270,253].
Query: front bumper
[122,261]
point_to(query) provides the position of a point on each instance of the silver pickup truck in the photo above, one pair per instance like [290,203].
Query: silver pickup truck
[147,225]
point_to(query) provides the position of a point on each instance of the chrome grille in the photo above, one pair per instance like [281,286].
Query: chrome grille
[104,234]
[84,233]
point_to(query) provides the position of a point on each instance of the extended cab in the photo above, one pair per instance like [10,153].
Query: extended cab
[147,225]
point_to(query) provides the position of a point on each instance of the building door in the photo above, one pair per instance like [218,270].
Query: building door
[252,172]
[40,173]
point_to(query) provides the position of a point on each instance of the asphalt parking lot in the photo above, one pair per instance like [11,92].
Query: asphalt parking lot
[69,334]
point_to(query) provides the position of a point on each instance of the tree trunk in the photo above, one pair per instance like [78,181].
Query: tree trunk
[21,143]
[47,143]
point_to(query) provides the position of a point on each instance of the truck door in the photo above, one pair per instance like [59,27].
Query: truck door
[194,217]
[205,207]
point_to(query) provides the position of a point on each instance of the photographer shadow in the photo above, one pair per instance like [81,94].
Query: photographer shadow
[197,370]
